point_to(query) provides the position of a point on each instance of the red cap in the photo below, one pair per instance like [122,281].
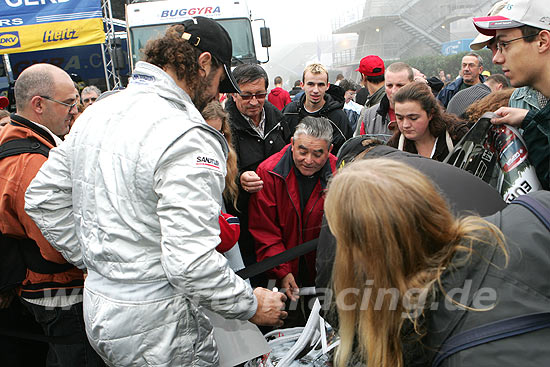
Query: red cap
[371,65]
[489,25]
[4,102]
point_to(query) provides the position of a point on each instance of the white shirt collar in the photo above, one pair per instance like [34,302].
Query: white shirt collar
[260,129]
[54,137]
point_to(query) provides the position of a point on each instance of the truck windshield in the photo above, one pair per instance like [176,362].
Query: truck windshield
[239,30]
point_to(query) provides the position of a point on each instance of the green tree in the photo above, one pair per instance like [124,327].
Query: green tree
[430,65]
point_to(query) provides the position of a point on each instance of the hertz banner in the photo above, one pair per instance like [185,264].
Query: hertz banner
[32,25]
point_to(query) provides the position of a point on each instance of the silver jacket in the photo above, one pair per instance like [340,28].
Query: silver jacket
[132,195]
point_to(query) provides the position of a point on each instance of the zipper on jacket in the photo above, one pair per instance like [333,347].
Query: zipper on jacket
[313,207]
[270,131]
[294,205]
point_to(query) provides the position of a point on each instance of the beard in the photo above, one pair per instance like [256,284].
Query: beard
[202,96]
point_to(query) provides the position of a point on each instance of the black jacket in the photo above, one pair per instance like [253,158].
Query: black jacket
[294,112]
[252,150]
[294,91]
[456,132]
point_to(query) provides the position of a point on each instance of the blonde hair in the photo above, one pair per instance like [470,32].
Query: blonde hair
[393,231]
[212,111]
[314,69]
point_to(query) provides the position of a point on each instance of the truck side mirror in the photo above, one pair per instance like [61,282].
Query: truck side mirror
[265,36]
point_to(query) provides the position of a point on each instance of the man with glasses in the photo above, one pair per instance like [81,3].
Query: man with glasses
[89,95]
[46,103]
[522,48]
[259,131]
[471,68]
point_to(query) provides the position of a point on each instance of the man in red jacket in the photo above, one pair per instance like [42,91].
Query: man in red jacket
[278,96]
[288,210]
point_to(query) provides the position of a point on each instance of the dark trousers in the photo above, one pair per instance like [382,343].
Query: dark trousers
[18,351]
[63,322]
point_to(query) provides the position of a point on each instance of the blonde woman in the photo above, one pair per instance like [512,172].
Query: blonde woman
[408,274]
[216,117]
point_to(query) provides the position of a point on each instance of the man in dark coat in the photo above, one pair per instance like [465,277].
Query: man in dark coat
[471,68]
[316,102]
[259,131]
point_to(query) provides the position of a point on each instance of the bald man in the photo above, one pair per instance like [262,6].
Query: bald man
[52,289]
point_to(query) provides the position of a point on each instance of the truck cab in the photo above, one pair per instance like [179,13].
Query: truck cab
[150,19]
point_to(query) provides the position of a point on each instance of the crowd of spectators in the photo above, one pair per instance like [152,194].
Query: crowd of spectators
[128,207]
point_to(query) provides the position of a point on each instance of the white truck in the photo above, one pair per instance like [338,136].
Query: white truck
[149,19]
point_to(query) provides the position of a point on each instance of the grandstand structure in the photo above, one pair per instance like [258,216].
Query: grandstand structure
[400,29]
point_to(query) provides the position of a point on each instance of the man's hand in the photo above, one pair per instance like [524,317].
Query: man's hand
[6,298]
[251,182]
[288,284]
[270,308]
[509,115]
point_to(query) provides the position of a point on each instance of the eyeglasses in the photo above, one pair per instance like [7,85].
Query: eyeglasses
[86,100]
[248,97]
[71,106]
[501,45]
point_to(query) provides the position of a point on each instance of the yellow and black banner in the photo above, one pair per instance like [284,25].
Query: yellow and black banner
[27,25]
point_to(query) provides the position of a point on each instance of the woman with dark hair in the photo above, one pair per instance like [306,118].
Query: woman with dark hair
[410,278]
[424,128]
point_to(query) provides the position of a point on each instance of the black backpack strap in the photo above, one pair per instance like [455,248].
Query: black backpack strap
[535,206]
[278,259]
[23,145]
[491,332]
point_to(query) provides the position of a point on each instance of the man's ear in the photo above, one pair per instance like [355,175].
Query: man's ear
[37,104]
[330,148]
[544,43]
[205,62]
[302,85]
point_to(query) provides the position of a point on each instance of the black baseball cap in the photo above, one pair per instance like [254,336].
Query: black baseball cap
[209,36]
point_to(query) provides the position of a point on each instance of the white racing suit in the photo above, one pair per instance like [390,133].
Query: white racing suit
[132,195]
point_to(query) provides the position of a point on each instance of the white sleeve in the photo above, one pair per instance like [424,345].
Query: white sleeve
[48,201]
[189,180]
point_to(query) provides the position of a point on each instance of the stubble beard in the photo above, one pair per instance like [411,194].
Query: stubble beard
[202,98]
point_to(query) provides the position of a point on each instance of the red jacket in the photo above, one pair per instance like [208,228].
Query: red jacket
[275,219]
[279,98]
[230,230]
[16,173]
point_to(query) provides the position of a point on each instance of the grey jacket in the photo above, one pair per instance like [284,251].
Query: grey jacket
[520,288]
[133,196]
[376,121]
